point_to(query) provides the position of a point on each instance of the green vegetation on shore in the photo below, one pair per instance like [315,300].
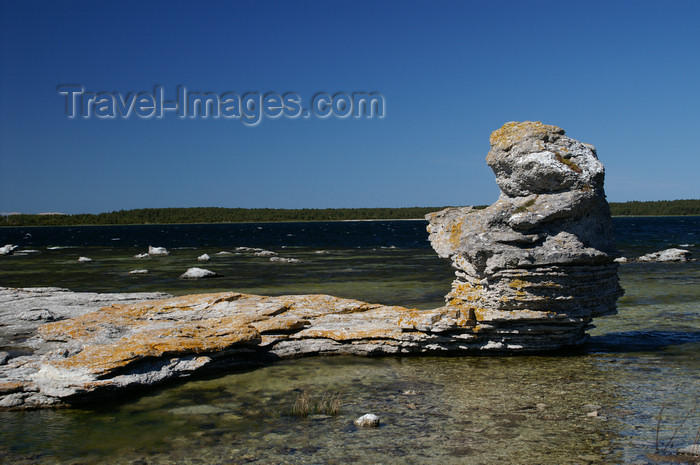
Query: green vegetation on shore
[239,215]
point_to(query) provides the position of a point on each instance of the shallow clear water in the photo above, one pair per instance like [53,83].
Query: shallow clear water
[597,406]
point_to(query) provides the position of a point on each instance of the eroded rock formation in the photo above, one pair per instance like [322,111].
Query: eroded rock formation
[535,267]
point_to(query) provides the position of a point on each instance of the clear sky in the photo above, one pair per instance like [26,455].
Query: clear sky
[621,75]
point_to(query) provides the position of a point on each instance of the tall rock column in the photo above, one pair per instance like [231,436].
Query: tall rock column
[535,267]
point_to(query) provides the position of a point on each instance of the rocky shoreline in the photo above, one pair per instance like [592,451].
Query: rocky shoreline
[532,271]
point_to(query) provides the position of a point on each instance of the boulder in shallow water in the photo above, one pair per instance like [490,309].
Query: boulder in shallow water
[198,273]
[85,260]
[141,271]
[204,258]
[157,250]
[7,249]
[368,419]
[668,255]
[535,267]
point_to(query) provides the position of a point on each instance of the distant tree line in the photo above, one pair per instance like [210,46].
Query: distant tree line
[217,215]
[255,215]
[656,208]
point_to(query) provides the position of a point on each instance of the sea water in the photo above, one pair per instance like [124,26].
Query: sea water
[604,404]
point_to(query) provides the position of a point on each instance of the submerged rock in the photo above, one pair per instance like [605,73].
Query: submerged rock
[668,255]
[535,267]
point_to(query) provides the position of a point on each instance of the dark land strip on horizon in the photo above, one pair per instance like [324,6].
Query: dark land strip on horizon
[689,207]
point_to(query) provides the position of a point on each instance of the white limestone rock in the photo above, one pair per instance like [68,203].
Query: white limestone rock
[198,273]
[157,251]
[265,253]
[542,256]
[692,449]
[668,255]
[284,260]
[8,249]
[203,258]
[367,420]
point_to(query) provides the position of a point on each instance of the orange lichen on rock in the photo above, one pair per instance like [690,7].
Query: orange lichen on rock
[512,133]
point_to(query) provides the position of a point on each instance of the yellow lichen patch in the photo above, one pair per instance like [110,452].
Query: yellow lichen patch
[480,314]
[277,325]
[518,284]
[512,133]
[86,327]
[456,232]
[568,162]
[8,387]
[350,334]
[193,337]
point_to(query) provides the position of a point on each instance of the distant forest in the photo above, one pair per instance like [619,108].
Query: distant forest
[255,215]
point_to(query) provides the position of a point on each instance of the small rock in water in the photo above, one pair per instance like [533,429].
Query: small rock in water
[265,253]
[621,260]
[138,272]
[693,449]
[223,252]
[204,258]
[198,273]
[8,249]
[84,260]
[284,260]
[668,255]
[157,250]
[142,255]
[248,249]
[368,419]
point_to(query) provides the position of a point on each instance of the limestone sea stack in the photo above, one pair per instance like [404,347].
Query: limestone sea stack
[535,267]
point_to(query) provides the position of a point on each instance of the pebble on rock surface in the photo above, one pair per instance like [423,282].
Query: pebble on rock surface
[368,419]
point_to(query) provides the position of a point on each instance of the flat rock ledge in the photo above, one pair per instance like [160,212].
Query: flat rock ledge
[93,346]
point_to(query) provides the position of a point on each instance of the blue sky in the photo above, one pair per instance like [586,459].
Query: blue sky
[623,76]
